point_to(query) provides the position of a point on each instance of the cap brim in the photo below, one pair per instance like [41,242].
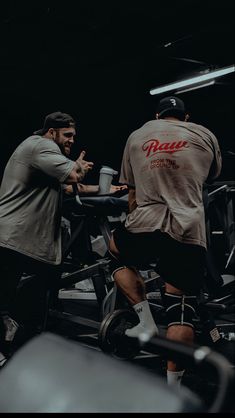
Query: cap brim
[39,132]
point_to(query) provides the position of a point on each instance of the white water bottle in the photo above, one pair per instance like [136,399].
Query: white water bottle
[105,179]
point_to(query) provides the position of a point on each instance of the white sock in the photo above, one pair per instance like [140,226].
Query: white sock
[174,378]
[146,327]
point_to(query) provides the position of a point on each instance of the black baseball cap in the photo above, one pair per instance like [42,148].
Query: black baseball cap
[56,120]
[171,106]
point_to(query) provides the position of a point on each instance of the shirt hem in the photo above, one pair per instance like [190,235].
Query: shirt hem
[28,254]
[172,235]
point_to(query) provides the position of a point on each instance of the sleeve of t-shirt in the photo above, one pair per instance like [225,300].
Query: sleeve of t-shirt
[216,165]
[48,158]
[126,174]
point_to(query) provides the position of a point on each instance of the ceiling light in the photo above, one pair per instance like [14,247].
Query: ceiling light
[197,81]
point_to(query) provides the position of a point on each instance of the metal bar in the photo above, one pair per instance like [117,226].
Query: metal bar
[218,190]
[80,320]
[197,355]
[74,237]
[79,275]
[105,229]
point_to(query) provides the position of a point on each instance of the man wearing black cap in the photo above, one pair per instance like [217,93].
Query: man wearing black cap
[165,164]
[30,211]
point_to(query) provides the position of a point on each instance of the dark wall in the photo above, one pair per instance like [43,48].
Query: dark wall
[98,61]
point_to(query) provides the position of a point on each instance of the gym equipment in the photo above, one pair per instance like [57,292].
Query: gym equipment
[220,225]
[213,327]
[208,331]
[111,337]
[52,374]
[96,208]
[84,211]
[218,299]
[113,341]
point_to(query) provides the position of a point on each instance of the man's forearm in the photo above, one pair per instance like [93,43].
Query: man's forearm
[88,188]
[82,189]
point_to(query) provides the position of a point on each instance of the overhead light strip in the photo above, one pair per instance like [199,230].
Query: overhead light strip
[192,81]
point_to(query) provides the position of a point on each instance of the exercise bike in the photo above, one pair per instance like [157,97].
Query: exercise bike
[111,309]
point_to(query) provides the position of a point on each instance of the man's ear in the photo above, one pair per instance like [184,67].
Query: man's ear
[51,132]
[187,116]
[157,115]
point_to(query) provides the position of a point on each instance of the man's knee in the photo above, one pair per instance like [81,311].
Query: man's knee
[180,309]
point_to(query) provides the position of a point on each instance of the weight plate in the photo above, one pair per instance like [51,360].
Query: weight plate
[112,338]
[106,304]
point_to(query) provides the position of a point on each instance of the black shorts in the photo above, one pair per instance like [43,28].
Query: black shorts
[179,264]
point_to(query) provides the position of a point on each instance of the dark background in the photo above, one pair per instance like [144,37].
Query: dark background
[98,60]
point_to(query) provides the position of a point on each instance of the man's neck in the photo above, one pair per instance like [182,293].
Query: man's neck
[171,118]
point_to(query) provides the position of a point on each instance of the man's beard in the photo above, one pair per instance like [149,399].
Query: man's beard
[64,149]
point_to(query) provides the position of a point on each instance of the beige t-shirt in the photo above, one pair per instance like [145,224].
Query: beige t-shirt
[168,161]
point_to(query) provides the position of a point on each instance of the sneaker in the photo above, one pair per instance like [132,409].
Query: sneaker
[11,327]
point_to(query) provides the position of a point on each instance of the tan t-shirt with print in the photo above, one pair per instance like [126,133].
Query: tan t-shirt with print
[168,161]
